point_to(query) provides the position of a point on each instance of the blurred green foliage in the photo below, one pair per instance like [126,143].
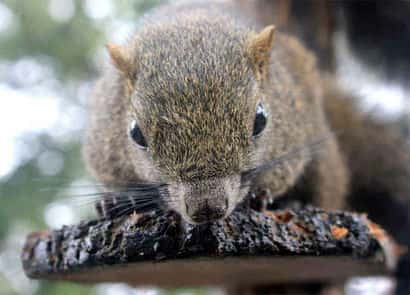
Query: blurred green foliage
[69,44]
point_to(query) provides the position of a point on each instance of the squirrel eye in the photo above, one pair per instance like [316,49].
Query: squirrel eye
[260,120]
[137,136]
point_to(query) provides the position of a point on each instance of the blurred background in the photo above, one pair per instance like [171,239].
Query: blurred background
[50,54]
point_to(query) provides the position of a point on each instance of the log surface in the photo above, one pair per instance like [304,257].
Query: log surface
[161,250]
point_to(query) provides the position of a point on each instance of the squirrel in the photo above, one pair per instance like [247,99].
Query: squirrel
[203,105]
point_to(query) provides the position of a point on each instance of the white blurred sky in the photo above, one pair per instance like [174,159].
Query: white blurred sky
[26,112]
[386,99]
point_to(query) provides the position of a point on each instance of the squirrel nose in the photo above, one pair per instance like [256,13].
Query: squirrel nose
[207,213]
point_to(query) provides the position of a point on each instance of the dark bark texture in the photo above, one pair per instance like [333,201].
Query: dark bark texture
[160,249]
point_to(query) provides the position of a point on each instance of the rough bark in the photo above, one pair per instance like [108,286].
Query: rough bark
[249,247]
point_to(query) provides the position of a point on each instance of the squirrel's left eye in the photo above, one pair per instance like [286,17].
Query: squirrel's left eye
[261,119]
[137,136]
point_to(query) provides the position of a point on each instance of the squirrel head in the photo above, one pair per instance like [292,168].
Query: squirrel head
[197,111]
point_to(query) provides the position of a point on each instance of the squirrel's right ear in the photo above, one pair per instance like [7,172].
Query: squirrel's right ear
[260,47]
[120,58]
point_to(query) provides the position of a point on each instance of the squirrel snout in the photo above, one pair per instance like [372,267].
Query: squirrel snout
[208,210]
[206,200]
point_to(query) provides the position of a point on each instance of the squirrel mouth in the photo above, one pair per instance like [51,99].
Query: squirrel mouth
[207,213]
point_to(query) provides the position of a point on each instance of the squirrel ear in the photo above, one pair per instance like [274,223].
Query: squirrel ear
[260,48]
[120,58]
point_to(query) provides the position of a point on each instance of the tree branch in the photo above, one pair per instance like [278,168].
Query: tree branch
[249,247]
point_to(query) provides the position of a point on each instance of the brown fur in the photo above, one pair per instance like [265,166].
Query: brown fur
[200,71]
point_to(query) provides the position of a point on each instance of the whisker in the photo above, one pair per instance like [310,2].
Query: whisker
[140,191]
[119,185]
[53,189]
[85,203]
[144,199]
[308,149]
[144,207]
[136,200]
[117,194]
[69,181]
